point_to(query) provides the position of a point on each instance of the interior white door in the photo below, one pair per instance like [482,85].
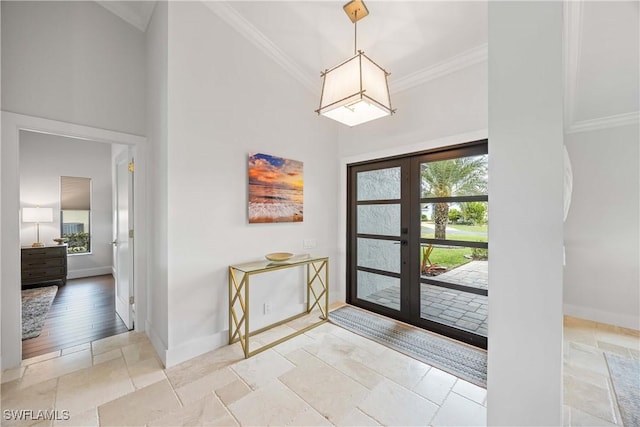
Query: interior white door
[123,241]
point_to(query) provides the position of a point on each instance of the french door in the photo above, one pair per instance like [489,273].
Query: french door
[417,247]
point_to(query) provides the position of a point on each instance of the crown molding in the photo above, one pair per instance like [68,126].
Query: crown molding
[138,17]
[608,122]
[466,59]
[572,41]
[263,43]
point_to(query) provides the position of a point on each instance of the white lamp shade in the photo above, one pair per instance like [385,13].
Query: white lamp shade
[355,92]
[37,215]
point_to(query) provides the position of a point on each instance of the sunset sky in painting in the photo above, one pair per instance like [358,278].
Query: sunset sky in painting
[275,171]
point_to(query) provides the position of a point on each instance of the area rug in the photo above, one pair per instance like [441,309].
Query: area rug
[461,360]
[625,376]
[35,307]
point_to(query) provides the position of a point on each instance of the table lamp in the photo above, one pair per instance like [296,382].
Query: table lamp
[37,215]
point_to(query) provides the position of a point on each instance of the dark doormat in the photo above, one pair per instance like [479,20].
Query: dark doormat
[461,360]
[625,377]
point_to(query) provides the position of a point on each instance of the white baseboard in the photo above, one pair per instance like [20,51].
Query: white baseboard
[196,347]
[600,316]
[88,272]
[157,343]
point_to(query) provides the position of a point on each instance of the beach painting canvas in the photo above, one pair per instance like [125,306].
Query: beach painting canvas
[275,189]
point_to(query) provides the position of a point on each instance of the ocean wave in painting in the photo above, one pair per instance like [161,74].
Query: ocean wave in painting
[275,189]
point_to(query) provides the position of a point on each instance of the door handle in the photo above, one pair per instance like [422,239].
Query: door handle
[404,242]
[115,242]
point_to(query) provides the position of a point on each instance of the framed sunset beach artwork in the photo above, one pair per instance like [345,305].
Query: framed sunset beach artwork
[275,189]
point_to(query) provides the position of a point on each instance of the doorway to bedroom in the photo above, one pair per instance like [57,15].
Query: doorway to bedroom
[418,242]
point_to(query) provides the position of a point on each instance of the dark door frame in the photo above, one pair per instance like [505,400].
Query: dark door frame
[410,237]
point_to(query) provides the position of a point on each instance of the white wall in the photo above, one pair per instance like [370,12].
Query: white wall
[75,62]
[524,384]
[602,230]
[227,99]
[157,319]
[43,160]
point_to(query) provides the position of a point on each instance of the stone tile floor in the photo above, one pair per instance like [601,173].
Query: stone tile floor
[327,376]
[463,310]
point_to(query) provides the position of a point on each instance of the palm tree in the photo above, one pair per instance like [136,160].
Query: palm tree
[455,177]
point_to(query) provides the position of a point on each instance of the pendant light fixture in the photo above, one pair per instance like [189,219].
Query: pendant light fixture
[356,90]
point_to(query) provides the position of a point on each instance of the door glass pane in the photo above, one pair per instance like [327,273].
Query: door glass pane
[459,309]
[455,221]
[454,264]
[379,219]
[464,176]
[379,184]
[379,254]
[379,289]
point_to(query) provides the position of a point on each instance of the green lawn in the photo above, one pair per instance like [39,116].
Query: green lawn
[450,257]
[459,234]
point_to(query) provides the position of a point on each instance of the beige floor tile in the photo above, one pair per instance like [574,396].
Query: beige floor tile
[262,368]
[38,397]
[347,358]
[85,346]
[399,368]
[589,398]
[293,344]
[109,355]
[435,385]
[268,337]
[138,352]
[366,344]
[232,392]
[208,411]
[12,374]
[309,417]
[198,367]
[40,358]
[90,387]
[57,367]
[146,372]
[309,319]
[470,391]
[273,404]
[391,404]
[613,348]
[357,418]
[580,418]
[117,341]
[619,339]
[586,357]
[87,418]
[329,391]
[141,407]
[460,411]
[207,384]
[599,380]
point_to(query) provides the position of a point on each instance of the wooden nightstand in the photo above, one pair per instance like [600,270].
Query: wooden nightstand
[45,264]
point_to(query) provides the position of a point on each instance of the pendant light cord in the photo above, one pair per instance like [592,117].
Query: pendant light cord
[355,32]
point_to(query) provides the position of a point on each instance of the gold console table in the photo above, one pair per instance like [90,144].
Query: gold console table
[239,275]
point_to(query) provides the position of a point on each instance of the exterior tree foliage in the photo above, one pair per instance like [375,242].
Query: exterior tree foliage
[456,177]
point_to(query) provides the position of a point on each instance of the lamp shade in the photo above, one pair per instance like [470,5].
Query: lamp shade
[355,91]
[37,215]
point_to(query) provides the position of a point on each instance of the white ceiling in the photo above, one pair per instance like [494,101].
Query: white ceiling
[421,40]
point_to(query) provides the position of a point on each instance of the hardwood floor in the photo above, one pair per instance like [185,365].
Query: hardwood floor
[82,311]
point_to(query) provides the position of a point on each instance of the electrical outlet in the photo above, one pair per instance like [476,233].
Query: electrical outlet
[267,308]
[309,243]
